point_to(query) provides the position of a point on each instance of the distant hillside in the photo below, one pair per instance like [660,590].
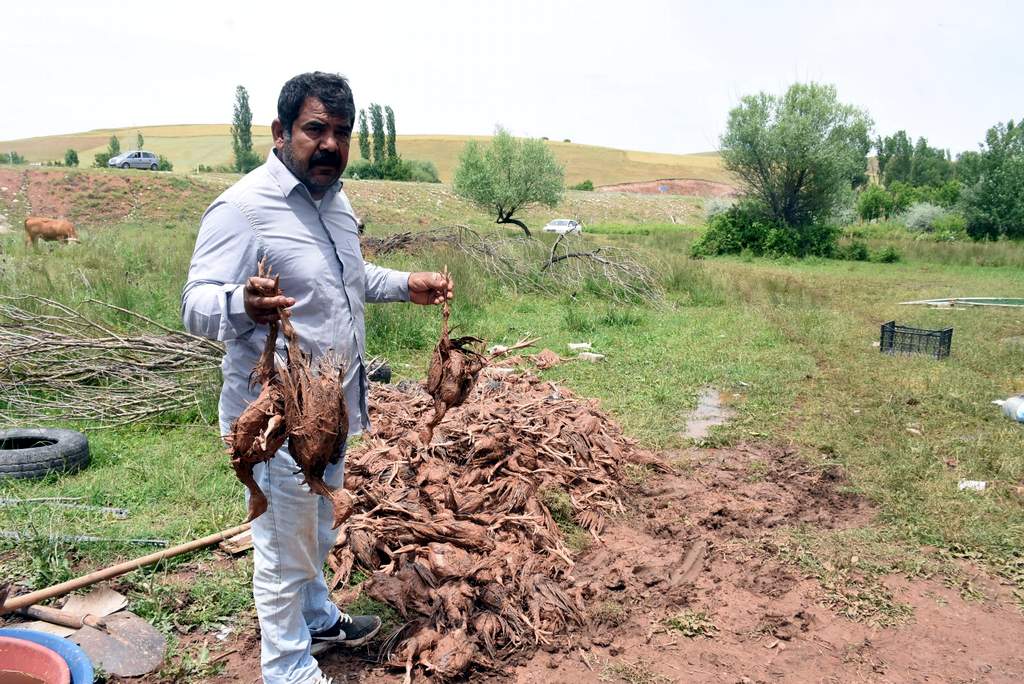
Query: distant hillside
[189,145]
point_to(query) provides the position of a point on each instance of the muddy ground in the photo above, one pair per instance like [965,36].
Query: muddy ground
[698,547]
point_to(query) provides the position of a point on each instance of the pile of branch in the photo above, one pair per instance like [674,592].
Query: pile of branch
[406,241]
[459,536]
[572,263]
[59,364]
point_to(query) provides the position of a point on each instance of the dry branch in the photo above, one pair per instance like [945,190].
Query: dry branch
[58,363]
[569,264]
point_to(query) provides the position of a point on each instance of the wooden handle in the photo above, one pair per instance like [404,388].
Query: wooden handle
[62,617]
[30,599]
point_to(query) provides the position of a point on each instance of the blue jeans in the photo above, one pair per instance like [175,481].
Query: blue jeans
[290,544]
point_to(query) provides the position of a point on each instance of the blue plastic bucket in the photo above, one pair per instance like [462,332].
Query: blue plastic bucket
[78,662]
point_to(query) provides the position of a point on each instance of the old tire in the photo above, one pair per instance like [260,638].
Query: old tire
[34,452]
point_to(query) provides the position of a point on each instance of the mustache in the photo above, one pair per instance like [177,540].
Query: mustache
[325,158]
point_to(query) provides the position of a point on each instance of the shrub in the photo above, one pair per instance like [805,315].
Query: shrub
[422,171]
[101,159]
[874,203]
[854,251]
[922,217]
[203,168]
[394,169]
[745,227]
[951,226]
[164,164]
[361,169]
[585,185]
[70,158]
[11,158]
[716,205]
[889,255]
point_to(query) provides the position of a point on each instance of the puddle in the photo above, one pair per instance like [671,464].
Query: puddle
[710,412]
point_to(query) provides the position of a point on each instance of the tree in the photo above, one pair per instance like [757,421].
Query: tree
[994,205]
[968,167]
[70,158]
[140,142]
[392,151]
[364,136]
[798,156]
[114,146]
[930,166]
[895,157]
[377,122]
[241,133]
[510,174]
[874,203]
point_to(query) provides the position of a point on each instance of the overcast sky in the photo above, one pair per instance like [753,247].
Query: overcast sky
[640,74]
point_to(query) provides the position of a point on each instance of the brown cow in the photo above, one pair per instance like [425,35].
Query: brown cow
[38,228]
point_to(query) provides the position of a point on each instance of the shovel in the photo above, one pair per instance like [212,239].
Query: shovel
[118,641]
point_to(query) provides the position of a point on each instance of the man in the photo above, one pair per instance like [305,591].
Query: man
[293,211]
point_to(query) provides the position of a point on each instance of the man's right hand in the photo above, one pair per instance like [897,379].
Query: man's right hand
[263,300]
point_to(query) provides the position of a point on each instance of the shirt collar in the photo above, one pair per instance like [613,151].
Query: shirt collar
[287,181]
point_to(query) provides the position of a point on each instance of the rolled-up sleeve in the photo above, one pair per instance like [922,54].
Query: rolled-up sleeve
[225,256]
[386,285]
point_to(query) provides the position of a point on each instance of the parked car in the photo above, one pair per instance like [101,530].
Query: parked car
[135,159]
[562,226]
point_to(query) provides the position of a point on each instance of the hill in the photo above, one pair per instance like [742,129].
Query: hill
[189,145]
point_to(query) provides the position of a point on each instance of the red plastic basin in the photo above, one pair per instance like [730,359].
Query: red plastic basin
[25,662]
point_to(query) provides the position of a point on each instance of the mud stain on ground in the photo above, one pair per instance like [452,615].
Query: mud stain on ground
[710,411]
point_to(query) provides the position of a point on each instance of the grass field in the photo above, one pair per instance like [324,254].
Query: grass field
[210,144]
[790,343]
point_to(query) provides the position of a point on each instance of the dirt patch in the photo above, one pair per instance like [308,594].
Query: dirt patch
[674,186]
[98,199]
[697,601]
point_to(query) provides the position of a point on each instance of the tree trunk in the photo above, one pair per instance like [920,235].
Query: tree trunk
[507,218]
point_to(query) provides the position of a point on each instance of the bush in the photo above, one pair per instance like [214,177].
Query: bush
[922,217]
[874,203]
[889,255]
[397,169]
[11,158]
[422,171]
[203,168]
[716,205]
[854,251]
[745,226]
[101,159]
[70,158]
[585,185]
[164,164]
[361,169]
[951,226]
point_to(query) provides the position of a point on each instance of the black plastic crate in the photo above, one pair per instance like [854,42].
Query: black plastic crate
[901,339]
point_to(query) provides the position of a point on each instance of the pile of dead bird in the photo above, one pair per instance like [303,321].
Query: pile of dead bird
[458,535]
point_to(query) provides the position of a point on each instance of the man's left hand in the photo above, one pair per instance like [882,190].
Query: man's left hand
[429,288]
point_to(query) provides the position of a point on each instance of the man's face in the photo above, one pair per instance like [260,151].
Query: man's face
[317,151]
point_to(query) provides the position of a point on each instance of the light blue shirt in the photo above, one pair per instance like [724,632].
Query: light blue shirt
[315,250]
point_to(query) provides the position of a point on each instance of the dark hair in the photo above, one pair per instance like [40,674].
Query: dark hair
[331,89]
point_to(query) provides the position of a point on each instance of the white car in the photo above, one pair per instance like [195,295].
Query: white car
[562,226]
